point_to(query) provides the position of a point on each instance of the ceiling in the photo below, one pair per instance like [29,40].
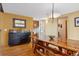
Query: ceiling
[39,10]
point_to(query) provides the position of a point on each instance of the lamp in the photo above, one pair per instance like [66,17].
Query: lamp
[53,13]
[51,17]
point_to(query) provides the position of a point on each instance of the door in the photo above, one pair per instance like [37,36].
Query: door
[0,37]
[62,29]
[42,34]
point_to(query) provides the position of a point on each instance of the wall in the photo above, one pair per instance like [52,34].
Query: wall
[72,31]
[6,23]
[42,29]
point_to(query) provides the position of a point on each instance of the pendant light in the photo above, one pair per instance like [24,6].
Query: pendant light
[52,18]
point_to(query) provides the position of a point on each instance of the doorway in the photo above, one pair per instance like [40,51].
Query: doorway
[62,29]
[0,37]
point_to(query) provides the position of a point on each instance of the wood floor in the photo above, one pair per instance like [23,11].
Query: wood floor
[20,50]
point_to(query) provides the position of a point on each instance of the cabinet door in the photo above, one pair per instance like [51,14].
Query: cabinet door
[62,29]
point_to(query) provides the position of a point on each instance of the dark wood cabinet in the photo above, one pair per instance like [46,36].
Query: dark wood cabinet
[1,8]
[18,38]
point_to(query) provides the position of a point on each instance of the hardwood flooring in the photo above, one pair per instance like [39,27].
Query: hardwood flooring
[20,50]
[26,49]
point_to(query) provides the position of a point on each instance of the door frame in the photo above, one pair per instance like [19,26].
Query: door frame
[0,36]
[65,26]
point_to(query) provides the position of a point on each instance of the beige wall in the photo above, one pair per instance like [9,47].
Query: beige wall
[73,32]
[6,22]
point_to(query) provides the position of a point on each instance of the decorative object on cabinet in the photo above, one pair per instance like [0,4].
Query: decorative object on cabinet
[51,38]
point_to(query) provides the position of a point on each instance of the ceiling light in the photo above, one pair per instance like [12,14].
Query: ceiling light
[55,15]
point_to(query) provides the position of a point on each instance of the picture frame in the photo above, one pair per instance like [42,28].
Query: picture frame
[76,20]
[60,25]
[19,23]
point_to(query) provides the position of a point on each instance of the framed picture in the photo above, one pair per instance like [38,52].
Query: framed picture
[76,22]
[19,23]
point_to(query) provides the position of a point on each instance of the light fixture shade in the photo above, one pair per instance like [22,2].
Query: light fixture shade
[55,15]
